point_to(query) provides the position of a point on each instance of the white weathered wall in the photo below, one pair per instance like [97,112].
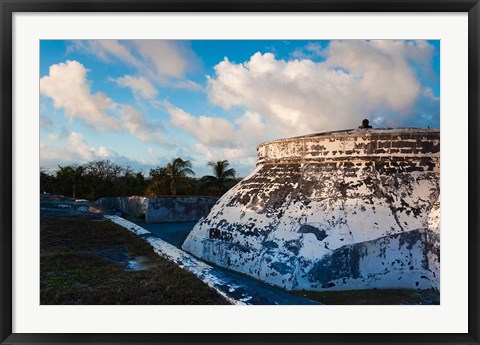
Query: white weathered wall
[347,210]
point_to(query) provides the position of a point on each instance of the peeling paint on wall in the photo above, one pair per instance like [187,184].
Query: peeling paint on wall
[333,211]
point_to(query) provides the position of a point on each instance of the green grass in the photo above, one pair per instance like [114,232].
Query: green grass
[373,297]
[72,272]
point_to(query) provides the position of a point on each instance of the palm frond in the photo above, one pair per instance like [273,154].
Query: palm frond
[230,173]
[186,171]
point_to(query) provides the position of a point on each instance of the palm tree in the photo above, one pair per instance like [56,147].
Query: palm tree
[221,177]
[70,174]
[177,170]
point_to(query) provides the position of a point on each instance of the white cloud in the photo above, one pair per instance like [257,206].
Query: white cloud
[67,86]
[214,153]
[358,79]
[164,61]
[210,131]
[139,86]
[137,125]
[251,125]
[188,85]
[381,70]
[105,152]
[50,156]
[53,136]
[80,147]
[218,138]
[76,150]
[167,57]
[106,50]
[310,50]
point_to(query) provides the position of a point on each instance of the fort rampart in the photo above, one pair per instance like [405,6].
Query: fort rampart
[340,210]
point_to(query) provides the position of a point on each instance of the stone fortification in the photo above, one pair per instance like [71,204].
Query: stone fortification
[340,210]
[160,210]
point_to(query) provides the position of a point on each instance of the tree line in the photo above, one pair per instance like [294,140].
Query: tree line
[101,178]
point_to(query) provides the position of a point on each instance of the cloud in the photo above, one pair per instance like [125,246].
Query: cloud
[210,131]
[164,61]
[252,125]
[381,70]
[357,79]
[215,153]
[136,124]
[105,152]
[76,150]
[309,51]
[51,157]
[168,58]
[67,86]
[140,86]
[53,136]
[80,147]
[218,139]
[105,50]
[188,85]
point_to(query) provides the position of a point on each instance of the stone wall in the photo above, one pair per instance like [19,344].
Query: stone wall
[333,211]
[159,210]
[179,209]
[374,145]
[133,206]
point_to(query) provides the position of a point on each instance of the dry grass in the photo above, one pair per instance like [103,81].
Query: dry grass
[73,271]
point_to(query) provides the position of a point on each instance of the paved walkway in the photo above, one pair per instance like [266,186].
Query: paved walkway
[237,288]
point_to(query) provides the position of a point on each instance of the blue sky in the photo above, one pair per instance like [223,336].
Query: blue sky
[142,102]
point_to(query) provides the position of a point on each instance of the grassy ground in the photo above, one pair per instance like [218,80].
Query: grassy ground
[374,297]
[84,261]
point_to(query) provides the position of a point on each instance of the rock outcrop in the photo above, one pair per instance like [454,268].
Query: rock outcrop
[351,209]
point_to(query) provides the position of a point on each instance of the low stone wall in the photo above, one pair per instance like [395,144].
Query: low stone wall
[179,209]
[160,210]
[134,206]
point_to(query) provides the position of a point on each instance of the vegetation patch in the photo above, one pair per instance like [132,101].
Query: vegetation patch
[87,262]
[374,297]
[103,178]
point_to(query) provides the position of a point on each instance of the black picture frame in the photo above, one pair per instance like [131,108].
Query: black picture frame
[8,7]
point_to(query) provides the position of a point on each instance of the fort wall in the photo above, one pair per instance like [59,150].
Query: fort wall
[333,211]
[161,210]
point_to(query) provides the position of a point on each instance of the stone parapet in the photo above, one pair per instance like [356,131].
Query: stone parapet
[418,145]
